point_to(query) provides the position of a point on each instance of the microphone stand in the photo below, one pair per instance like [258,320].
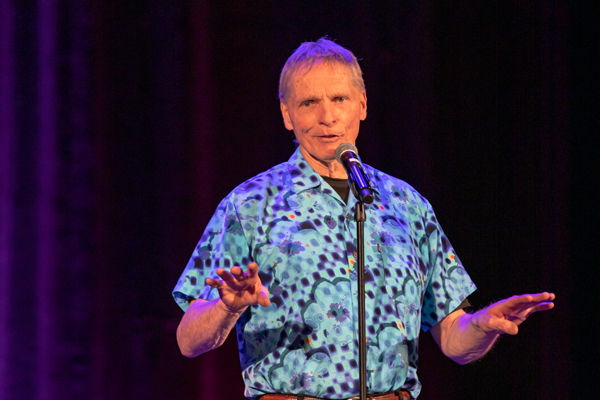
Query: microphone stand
[346,154]
[360,217]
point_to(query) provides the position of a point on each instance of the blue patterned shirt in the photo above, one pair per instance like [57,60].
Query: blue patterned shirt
[302,235]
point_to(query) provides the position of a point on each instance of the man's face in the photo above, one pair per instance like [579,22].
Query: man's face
[324,109]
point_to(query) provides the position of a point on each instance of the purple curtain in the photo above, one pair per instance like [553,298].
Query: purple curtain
[47,200]
[123,124]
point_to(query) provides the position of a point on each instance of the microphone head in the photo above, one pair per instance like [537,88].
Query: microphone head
[342,148]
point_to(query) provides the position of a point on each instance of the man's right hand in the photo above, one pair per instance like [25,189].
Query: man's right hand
[206,324]
[239,289]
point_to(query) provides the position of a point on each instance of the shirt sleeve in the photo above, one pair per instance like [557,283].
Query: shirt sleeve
[222,245]
[448,283]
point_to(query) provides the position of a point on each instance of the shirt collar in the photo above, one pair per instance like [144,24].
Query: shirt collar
[304,177]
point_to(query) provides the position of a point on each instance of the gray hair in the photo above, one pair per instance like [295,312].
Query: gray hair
[321,51]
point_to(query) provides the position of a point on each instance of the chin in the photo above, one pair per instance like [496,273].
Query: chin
[322,153]
[328,157]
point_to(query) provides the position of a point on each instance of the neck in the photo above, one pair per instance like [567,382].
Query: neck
[329,168]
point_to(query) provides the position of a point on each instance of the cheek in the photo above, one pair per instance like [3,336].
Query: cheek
[303,123]
[354,119]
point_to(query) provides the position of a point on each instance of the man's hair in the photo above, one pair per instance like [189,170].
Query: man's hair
[322,51]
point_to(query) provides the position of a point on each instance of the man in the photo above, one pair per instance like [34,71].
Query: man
[295,306]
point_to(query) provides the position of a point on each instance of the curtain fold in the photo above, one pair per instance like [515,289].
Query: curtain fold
[46,200]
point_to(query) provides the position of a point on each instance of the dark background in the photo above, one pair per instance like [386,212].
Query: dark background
[123,124]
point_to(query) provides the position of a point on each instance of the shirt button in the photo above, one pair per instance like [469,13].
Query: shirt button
[355,254]
[348,216]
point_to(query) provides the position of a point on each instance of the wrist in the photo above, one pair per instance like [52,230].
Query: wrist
[233,312]
[474,322]
[479,321]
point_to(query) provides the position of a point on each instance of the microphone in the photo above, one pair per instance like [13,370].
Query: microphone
[346,154]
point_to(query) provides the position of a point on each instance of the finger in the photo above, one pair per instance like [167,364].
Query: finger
[519,303]
[230,280]
[542,297]
[506,326]
[263,301]
[263,297]
[541,307]
[544,294]
[222,273]
[217,284]
[237,273]
[534,298]
[226,276]
[491,323]
[252,270]
[264,292]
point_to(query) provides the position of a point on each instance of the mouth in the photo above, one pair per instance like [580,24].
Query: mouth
[328,137]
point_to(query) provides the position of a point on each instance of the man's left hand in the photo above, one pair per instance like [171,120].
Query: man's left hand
[506,315]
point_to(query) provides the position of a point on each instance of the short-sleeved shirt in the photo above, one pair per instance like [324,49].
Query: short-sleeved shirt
[303,237]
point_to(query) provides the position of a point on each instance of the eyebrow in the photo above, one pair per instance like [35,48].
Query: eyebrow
[340,94]
[312,97]
[308,98]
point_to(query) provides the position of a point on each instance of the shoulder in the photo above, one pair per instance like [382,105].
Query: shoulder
[394,189]
[261,186]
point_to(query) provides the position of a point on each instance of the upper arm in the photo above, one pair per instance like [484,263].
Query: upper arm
[444,266]
[222,245]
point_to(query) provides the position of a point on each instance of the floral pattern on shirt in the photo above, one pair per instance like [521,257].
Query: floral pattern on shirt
[302,235]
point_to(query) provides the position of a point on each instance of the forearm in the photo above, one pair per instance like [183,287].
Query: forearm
[464,341]
[205,326]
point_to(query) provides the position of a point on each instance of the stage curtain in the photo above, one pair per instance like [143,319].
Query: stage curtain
[123,124]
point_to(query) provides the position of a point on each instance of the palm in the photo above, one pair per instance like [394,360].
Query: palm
[505,316]
[239,290]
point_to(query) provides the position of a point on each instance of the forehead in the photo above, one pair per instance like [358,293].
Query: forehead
[320,78]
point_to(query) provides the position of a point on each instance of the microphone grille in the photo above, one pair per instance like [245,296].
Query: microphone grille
[342,148]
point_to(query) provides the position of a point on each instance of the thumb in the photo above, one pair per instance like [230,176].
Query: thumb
[263,297]
[506,326]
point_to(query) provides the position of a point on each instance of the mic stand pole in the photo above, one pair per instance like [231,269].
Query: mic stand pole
[360,217]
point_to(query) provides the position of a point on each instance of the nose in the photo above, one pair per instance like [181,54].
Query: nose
[327,115]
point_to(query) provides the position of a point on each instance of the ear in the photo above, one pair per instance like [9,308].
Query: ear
[363,106]
[286,116]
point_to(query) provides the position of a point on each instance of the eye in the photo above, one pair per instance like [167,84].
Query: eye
[306,104]
[341,99]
